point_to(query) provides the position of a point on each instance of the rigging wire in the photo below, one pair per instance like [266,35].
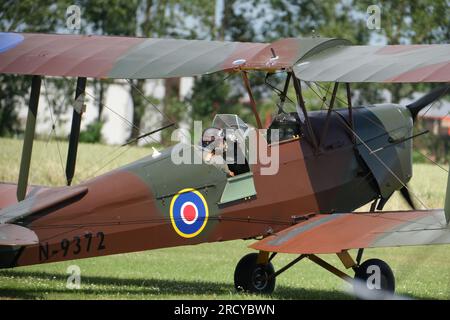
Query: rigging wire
[431,160]
[135,126]
[425,156]
[448,113]
[53,130]
[321,96]
[110,161]
[378,158]
[163,220]
[162,113]
[289,222]
[110,154]
[165,115]
[277,91]
[387,168]
[443,94]
[341,100]
[120,116]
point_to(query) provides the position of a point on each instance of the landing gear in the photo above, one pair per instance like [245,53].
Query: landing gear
[251,276]
[374,279]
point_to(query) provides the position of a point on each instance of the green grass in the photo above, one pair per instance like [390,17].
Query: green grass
[205,271]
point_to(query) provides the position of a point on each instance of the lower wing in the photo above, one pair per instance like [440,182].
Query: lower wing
[334,233]
[38,199]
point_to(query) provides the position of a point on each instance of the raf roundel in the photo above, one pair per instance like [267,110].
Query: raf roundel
[188,212]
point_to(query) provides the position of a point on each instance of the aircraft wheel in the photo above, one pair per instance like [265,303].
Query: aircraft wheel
[374,280]
[252,277]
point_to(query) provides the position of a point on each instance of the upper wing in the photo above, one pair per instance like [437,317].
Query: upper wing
[393,63]
[337,232]
[144,58]
[313,59]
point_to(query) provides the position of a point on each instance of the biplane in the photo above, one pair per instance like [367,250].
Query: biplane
[331,161]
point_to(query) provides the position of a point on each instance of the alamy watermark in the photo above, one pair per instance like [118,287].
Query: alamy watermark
[374,279]
[74,278]
[373,21]
[73,17]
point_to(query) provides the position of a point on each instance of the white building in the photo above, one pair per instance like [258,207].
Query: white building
[117,113]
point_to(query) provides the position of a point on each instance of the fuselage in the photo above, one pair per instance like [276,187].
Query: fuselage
[133,208]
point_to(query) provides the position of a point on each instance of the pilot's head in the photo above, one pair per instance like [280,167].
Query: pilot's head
[213,139]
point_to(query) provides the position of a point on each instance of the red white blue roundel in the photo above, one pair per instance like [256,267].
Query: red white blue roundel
[188,212]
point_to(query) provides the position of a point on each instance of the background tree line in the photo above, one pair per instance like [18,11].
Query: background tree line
[402,22]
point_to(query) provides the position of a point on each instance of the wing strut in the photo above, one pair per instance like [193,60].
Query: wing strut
[330,109]
[350,111]
[301,103]
[27,148]
[75,129]
[447,200]
[252,99]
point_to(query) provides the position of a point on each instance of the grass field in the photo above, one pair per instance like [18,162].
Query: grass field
[204,271]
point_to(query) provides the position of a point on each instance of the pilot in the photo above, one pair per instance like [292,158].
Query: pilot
[213,142]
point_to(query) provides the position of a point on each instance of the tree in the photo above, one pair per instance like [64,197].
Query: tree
[218,93]
[186,19]
[13,91]
[108,17]
[24,16]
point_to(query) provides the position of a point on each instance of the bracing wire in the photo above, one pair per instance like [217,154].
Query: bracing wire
[133,125]
[342,101]
[120,116]
[165,115]
[53,130]
[377,157]
[432,104]
[110,154]
[388,169]
[114,152]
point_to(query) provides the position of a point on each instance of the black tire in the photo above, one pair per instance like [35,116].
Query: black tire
[252,277]
[367,287]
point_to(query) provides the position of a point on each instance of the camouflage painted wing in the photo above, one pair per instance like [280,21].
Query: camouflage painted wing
[337,232]
[144,58]
[392,63]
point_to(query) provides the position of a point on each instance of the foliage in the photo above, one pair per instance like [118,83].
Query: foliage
[24,16]
[93,132]
[209,93]
[13,92]
[108,17]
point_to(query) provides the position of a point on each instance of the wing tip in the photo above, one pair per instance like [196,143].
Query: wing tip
[14,235]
